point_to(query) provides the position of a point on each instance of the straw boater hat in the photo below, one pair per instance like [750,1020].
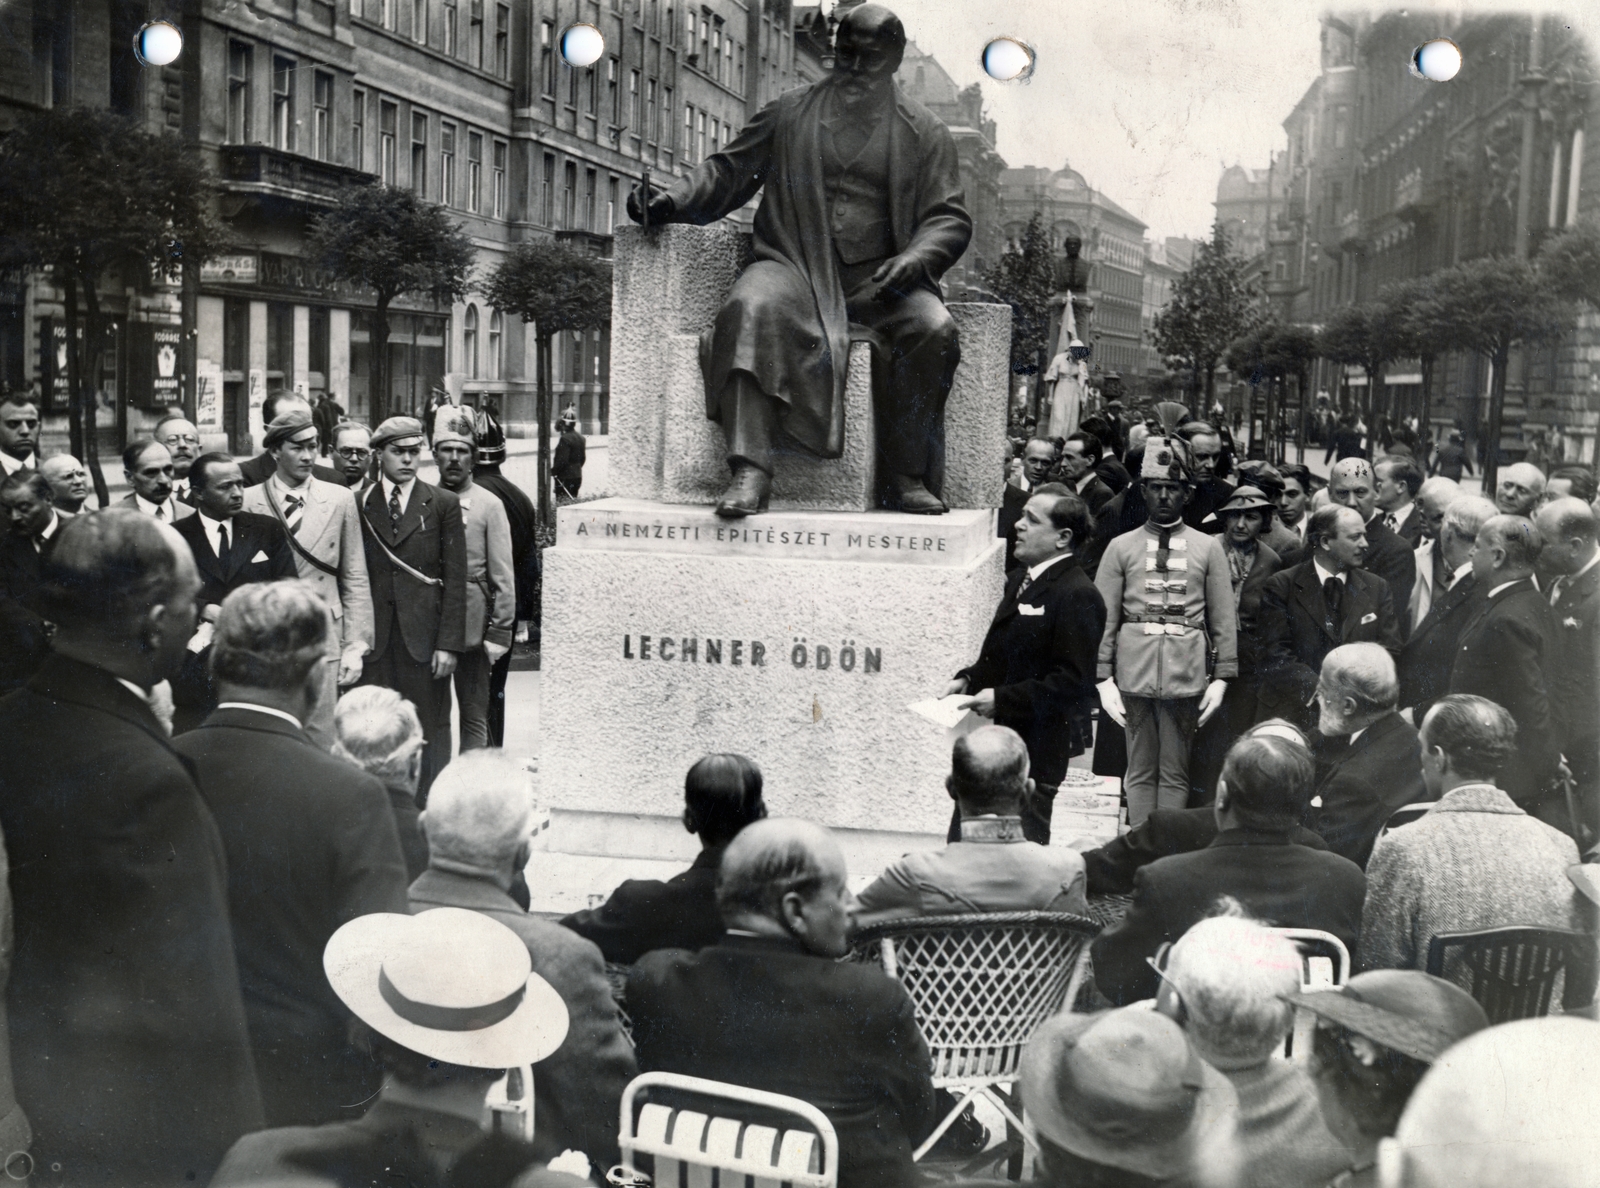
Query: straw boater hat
[1125,1088]
[451,984]
[1404,1010]
[453,423]
[401,431]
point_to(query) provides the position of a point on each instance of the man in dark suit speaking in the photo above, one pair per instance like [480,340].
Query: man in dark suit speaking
[416,546]
[1312,608]
[129,1045]
[771,1006]
[1035,672]
[232,548]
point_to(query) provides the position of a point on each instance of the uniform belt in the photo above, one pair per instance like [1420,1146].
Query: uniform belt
[1164,620]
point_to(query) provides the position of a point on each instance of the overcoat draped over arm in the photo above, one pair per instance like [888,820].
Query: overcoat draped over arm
[784,322]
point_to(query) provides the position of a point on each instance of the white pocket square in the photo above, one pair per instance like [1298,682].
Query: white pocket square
[1024,608]
[261,555]
[1369,617]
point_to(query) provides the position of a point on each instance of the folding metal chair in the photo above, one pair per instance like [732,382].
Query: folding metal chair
[510,1101]
[1512,972]
[617,979]
[981,985]
[694,1149]
[1325,965]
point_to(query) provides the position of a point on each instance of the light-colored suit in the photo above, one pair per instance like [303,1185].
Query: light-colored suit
[330,530]
[991,869]
[177,507]
[490,573]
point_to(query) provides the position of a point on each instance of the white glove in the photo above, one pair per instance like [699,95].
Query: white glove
[350,665]
[1111,701]
[1211,700]
[494,651]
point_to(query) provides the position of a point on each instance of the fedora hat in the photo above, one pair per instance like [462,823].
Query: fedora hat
[1404,1010]
[451,984]
[1124,1088]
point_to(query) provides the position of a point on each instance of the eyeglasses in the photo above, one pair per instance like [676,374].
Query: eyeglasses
[182,439]
[353,453]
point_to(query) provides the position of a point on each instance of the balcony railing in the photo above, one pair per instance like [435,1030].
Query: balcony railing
[259,169]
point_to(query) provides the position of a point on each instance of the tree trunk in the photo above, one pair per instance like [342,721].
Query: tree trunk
[1371,402]
[1303,380]
[1497,401]
[1211,388]
[542,421]
[91,360]
[378,364]
[1425,421]
[74,403]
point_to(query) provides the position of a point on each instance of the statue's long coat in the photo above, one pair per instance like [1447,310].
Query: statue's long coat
[786,325]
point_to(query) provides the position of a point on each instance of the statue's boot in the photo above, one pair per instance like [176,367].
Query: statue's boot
[746,494]
[909,494]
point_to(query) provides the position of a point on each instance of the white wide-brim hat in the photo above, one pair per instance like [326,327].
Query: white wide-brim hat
[449,983]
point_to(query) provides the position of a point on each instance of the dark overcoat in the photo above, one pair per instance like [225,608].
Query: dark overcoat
[433,541]
[798,347]
[128,1036]
[311,845]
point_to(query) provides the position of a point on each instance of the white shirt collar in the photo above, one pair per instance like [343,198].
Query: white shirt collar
[1324,574]
[141,693]
[149,508]
[213,530]
[1035,570]
[405,491]
[1461,571]
[1502,586]
[12,465]
[1402,514]
[1358,734]
[1572,577]
[1084,480]
[285,489]
[263,709]
[1022,481]
[55,523]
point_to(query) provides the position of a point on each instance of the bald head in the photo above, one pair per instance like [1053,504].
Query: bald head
[1512,1104]
[1567,527]
[68,479]
[1433,497]
[874,22]
[1520,487]
[776,873]
[1507,549]
[989,771]
[1351,484]
[120,587]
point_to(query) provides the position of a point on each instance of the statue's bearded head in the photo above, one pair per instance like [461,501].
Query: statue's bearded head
[867,50]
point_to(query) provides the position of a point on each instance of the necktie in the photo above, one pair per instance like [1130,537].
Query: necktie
[1555,589]
[1390,522]
[1332,595]
[1027,580]
[222,546]
[161,511]
[394,510]
[293,506]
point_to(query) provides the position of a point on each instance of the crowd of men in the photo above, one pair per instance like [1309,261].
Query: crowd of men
[1226,587]
[266,932]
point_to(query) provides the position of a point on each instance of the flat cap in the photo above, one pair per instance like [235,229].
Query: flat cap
[288,425]
[398,431]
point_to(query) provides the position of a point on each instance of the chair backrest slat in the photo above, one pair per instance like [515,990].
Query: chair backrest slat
[1513,971]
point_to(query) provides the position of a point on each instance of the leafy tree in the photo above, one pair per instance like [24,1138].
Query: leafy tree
[392,242]
[1269,354]
[91,196]
[1570,263]
[1489,305]
[1024,278]
[1210,307]
[557,287]
[1367,336]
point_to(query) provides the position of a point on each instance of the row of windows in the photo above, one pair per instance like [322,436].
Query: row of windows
[644,107]
[468,38]
[579,209]
[466,192]
[291,85]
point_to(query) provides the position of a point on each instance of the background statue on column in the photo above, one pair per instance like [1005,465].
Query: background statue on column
[862,214]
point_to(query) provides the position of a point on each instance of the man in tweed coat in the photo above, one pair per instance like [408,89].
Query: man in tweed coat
[1475,861]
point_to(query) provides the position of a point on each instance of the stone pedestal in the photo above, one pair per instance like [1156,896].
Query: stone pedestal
[797,638]
[668,285]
